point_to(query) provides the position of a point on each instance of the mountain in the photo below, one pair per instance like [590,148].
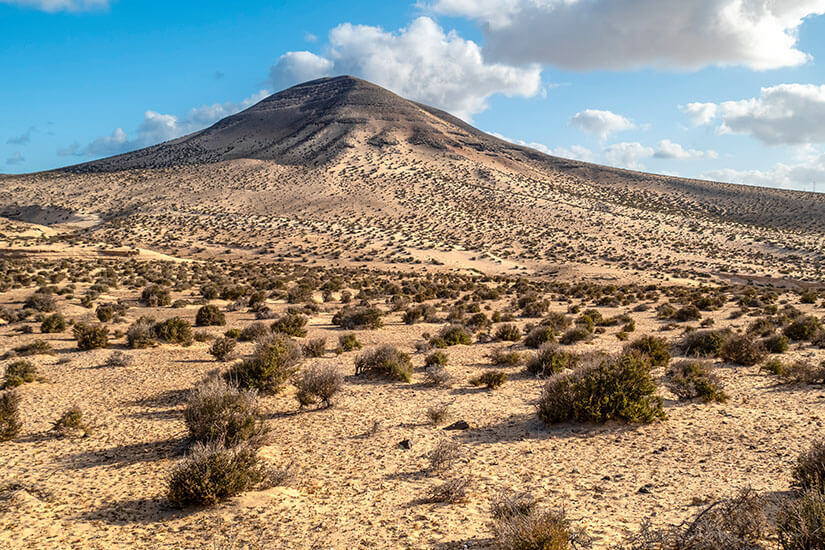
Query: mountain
[340,170]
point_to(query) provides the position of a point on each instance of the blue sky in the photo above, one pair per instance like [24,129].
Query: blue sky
[723,89]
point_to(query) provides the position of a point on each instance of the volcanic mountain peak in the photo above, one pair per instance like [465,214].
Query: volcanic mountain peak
[307,124]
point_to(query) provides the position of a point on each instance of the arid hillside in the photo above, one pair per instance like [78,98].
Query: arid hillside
[342,171]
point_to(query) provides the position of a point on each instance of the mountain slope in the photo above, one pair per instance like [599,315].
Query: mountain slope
[341,170]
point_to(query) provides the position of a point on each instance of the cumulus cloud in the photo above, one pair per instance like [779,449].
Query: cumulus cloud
[59,5]
[158,127]
[16,158]
[802,176]
[601,123]
[666,149]
[421,62]
[788,114]
[627,155]
[628,34]
[700,114]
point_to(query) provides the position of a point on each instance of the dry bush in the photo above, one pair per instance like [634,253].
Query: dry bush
[315,347]
[452,335]
[222,348]
[615,388]
[656,349]
[704,343]
[348,342]
[557,321]
[518,524]
[253,332]
[120,359]
[174,331]
[742,350]
[538,336]
[218,411]
[71,423]
[438,414]
[386,361]
[10,424]
[694,379]
[574,335]
[90,336]
[687,313]
[438,376]
[550,359]
[358,318]
[38,347]
[442,457]
[776,343]
[803,328]
[155,296]
[212,473]
[140,333]
[274,362]
[503,358]
[209,315]
[798,372]
[19,373]
[508,333]
[41,301]
[492,379]
[800,522]
[292,324]
[809,472]
[53,323]
[436,359]
[453,491]
[319,382]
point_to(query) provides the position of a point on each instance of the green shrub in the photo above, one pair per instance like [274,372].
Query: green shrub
[539,335]
[91,336]
[174,331]
[693,379]
[508,333]
[385,360]
[41,301]
[209,316]
[155,296]
[217,411]
[275,360]
[233,333]
[222,348]
[454,335]
[10,424]
[687,313]
[504,358]
[292,324]
[315,347]
[776,343]
[358,318]
[492,379]
[742,350]
[574,335]
[19,373]
[656,349]
[348,342]
[556,321]
[800,521]
[549,359]
[212,473]
[705,343]
[318,382]
[436,359]
[105,313]
[803,328]
[618,388]
[71,422]
[38,347]
[53,323]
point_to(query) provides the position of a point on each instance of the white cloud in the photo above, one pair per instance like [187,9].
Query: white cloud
[802,176]
[575,152]
[601,123]
[627,155]
[666,149]
[421,62]
[158,127]
[626,34]
[16,158]
[59,5]
[700,114]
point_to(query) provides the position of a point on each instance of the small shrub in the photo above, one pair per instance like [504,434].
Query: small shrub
[91,336]
[445,453]
[618,388]
[292,324]
[508,333]
[437,376]
[799,522]
[800,372]
[809,472]
[315,347]
[253,332]
[274,362]
[803,328]
[233,333]
[454,335]
[704,343]
[742,350]
[574,335]
[19,373]
[438,414]
[386,360]
[174,331]
[105,313]
[453,491]
[657,349]
[209,316]
[319,382]
[222,348]
[10,424]
[549,359]
[493,379]
[212,473]
[692,379]
[120,359]
[436,359]
[40,301]
[348,342]
[556,321]
[38,347]
[358,318]
[538,336]
[219,412]
[533,528]
[155,296]
[140,334]
[71,423]
[776,343]
[503,358]
[53,323]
